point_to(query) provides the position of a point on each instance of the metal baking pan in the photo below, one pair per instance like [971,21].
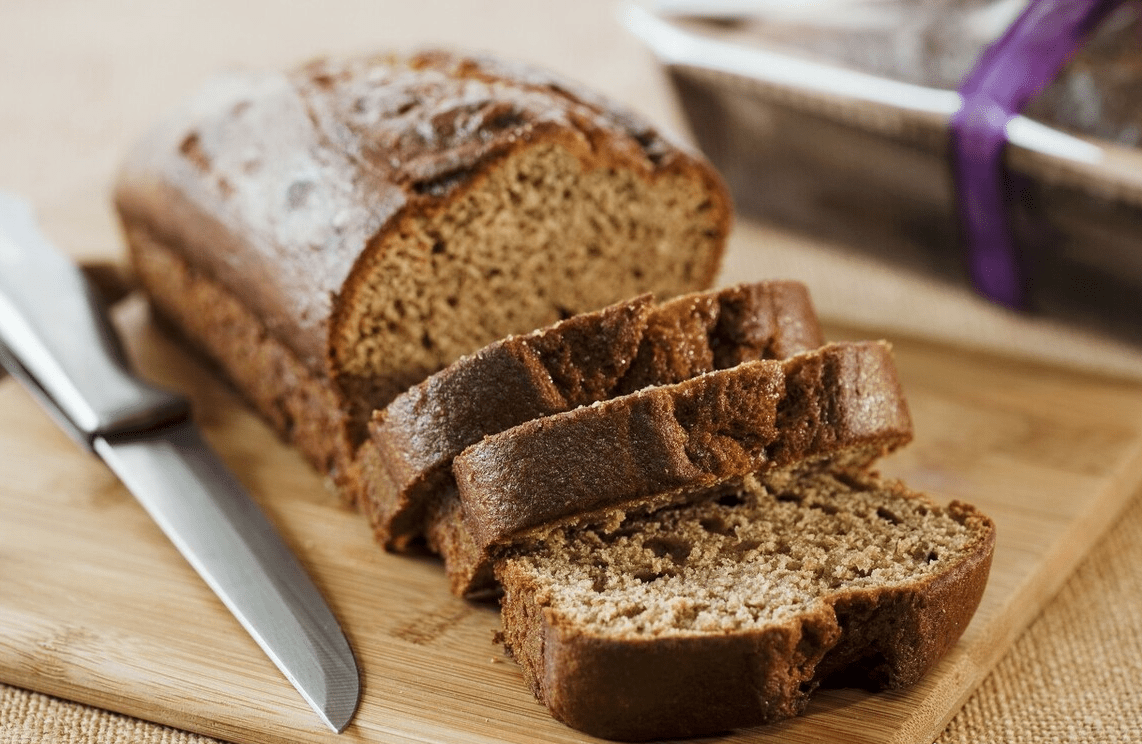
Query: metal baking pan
[864,160]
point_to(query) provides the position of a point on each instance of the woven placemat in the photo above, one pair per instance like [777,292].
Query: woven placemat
[1075,675]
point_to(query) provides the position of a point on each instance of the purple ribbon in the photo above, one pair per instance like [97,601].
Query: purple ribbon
[1009,73]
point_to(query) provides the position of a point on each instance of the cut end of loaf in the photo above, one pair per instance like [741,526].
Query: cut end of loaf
[578,233]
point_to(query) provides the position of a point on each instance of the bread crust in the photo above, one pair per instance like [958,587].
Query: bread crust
[301,406]
[516,379]
[644,688]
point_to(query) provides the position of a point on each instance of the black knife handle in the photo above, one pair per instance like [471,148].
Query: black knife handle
[55,326]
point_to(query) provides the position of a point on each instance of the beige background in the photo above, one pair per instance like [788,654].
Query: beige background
[79,80]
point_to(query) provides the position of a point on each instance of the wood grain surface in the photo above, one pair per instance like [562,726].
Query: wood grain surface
[96,606]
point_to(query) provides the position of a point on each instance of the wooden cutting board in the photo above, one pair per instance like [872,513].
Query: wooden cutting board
[97,607]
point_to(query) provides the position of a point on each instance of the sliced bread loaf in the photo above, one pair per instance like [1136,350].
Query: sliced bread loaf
[841,403]
[407,463]
[730,611]
[335,234]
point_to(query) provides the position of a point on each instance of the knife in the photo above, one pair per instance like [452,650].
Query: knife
[56,339]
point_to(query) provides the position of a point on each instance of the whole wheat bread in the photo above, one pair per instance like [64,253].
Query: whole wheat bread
[730,611]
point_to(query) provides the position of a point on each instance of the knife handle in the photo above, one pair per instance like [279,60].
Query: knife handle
[55,327]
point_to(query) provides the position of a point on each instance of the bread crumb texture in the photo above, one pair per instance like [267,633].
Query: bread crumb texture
[755,555]
[578,238]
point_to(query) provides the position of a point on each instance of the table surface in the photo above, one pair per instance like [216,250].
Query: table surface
[83,79]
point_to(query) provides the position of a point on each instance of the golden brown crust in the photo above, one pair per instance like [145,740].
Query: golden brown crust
[846,394]
[702,332]
[730,682]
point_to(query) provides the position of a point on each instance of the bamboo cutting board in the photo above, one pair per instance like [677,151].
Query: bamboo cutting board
[97,607]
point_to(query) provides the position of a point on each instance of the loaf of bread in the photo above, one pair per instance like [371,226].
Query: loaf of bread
[335,234]
[407,464]
[730,611]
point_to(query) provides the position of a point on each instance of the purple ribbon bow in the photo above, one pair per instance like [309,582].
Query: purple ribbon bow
[1009,73]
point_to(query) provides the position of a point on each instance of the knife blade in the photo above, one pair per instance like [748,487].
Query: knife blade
[55,338]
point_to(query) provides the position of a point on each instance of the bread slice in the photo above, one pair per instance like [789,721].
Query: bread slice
[335,234]
[407,461]
[407,464]
[730,611]
[840,403]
